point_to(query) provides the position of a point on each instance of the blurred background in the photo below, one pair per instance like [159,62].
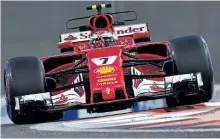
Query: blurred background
[33,28]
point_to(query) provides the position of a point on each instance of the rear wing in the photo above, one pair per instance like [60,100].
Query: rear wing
[120,31]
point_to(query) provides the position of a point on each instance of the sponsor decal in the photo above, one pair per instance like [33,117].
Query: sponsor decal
[63,99]
[129,30]
[106,76]
[155,87]
[119,31]
[124,42]
[85,35]
[83,46]
[106,79]
[70,38]
[105,69]
[107,83]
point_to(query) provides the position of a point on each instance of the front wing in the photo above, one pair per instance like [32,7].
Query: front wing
[170,86]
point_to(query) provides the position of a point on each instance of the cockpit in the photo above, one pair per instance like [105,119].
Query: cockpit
[102,39]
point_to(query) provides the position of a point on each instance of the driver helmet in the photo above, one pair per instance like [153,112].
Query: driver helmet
[102,39]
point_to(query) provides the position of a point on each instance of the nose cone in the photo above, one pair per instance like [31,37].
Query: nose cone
[105,72]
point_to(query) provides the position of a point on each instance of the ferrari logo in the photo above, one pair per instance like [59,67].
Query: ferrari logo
[105,69]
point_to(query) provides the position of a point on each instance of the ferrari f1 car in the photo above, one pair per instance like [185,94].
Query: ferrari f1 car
[106,66]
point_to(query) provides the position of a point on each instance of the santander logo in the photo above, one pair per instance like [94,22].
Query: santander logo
[129,30]
[70,38]
[119,31]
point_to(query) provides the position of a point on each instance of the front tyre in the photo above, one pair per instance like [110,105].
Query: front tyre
[25,76]
[191,55]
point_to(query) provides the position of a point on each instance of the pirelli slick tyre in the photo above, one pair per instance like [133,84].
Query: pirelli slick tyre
[190,55]
[24,76]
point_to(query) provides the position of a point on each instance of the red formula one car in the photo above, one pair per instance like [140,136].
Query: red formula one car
[107,66]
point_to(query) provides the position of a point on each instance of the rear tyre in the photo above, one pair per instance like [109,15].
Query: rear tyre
[191,54]
[25,76]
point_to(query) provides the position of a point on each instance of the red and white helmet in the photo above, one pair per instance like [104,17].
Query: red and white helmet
[102,39]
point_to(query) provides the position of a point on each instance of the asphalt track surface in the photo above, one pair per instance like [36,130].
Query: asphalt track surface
[32,28]
[202,120]
[25,132]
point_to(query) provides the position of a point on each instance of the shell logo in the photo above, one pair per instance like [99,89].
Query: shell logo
[105,70]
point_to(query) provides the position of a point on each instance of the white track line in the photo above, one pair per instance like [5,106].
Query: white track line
[129,120]
[59,127]
[93,125]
